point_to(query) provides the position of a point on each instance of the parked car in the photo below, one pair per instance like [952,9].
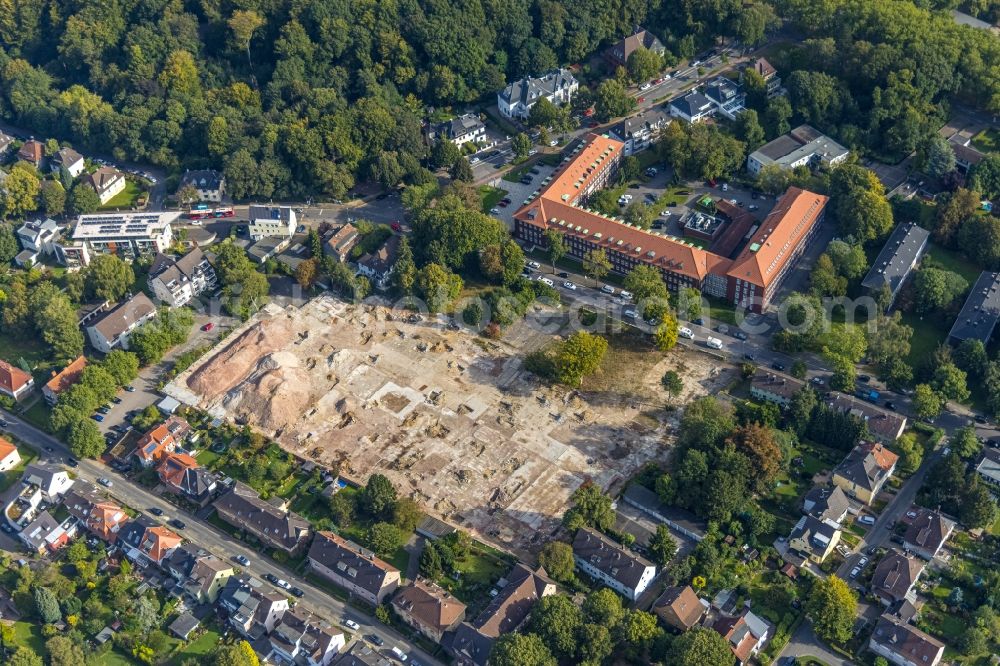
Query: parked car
[739,335]
[778,366]
[863,561]
[375,640]
[534,265]
[855,571]
[889,404]
[97,417]
[3,423]
[105,481]
[130,388]
[297,592]
[631,314]
[271,578]
[866,520]
[178,523]
[546,281]
[104,410]
[156,511]
[864,378]
[243,559]
[749,357]
[72,462]
[208,327]
[351,624]
[685,332]
[494,211]
[284,584]
[569,285]
[562,274]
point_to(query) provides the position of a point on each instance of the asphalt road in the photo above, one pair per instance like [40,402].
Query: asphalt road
[213,540]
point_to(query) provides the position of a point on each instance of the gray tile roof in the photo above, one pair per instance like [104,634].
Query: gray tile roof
[124,315]
[610,558]
[980,312]
[243,507]
[351,561]
[896,258]
[529,89]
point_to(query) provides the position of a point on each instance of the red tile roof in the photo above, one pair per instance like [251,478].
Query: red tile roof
[67,376]
[6,448]
[774,243]
[174,467]
[158,541]
[12,378]
[884,458]
[154,443]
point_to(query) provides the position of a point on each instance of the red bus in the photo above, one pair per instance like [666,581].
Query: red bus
[210,213]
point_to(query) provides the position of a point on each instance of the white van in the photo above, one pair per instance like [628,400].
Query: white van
[627,295]
[685,332]
[714,343]
[608,289]
[399,654]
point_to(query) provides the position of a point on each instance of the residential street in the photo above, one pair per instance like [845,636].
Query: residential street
[805,643]
[212,539]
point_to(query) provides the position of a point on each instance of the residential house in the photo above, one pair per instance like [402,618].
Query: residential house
[617,54]
[9,457]
[33,152]
[557,86]
[980,311]
[14,382]
[339,242]
[177,281]
[129,235]
[988,469]
[52,482]
[378,266]
[641,131]
[301,638]
[926,531]
[680,607]
[746,634]
[98,515]
[144,541]
[44,533]
[865,470]
[72,254]
[352,567]
[271,221]
[471,642]
[182,475]
[803,146]
[428,608]
[182,559]
[966,155]
[895,577]
[107,182]
[774,387]
[727,96]
[208,183]
[466,128]
[266,248]
[360,653]
[112,330]
[253,610]
[614,565]
[903,644]
[898,257]
[884,425]
[39,236]
[271,524]
[207,578]
[766,71]
[161,440]
[63,380]
[824,503]
[813,540]
[692,107]
[183,625]
[69,159]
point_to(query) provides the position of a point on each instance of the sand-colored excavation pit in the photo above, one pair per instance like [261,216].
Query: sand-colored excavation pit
[452,419]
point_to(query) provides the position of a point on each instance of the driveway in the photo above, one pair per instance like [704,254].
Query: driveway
[805,643]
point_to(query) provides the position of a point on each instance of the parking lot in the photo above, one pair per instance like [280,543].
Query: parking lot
[518,192]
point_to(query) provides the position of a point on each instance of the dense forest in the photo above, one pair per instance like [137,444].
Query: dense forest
[295,97]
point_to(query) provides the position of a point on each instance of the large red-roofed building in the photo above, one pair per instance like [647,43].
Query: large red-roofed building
[750,280]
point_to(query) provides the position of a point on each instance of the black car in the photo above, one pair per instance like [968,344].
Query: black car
[156,511]
[297,592]
[72,462]
[49,449]
[526,180]
[698,322]
[178,523]
[778,366]
[536,171]
[271,578]
[564,274]
[980,418]
[740,335]
[889,404]
[634,186]
[3,423]
[375,640]
[748,356]
[864,378]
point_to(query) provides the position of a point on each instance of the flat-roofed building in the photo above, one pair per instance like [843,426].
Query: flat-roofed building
[980,312]
[897,258]
[803,146]
[128,235]
[273,221]
[988,469]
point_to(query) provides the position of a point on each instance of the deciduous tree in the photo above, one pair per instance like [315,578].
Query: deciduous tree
[557,558]
[832,607]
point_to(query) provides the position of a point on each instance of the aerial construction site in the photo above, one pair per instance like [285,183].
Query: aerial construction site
[451,418]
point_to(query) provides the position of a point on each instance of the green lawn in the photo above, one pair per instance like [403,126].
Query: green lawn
[199,648]
[16,347]
[114,658]
[30,634]
[928,333]
[479,572]
[491,196]
[995,528]
[206,458]
[126,198]
[988,141]
[953,261]
[27,454]
[38,415]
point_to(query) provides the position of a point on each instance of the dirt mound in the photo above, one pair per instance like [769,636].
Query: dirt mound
[275,396]
[234,363]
